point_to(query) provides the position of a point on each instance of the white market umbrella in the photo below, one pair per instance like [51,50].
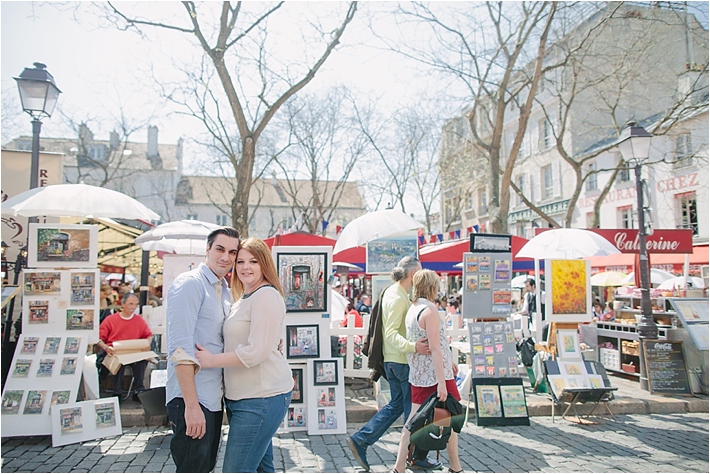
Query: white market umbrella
[695,282]
[657,277]
[608,279]
[519,281]
[184,237]
[567,244]
[374,225]
[337,306]
[346,267]
[76,200]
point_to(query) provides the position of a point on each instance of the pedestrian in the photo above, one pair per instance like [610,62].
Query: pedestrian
[395,347]
[364,305]
[429,373]
[257,378]
[198,302]
[122,326]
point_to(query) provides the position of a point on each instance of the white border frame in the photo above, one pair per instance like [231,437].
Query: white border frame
[276,250]
[89,430]
[338,409]
[32,261]
[567,318]
[410,236]
[576,353]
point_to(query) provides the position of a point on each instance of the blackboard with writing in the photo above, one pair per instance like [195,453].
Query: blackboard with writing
[665,367]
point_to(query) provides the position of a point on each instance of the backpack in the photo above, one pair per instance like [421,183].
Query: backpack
[372,346]
[526,350]
[430,427]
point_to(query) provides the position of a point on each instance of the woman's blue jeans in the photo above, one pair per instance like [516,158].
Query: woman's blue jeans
[252,424]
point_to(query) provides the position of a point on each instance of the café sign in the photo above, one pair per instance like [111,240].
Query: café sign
[662,240]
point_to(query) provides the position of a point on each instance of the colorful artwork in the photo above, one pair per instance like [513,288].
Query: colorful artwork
[302,341]
[45,368]
[327,419]
[83,288]
[68,366]
[304,280]
[297,392]
[484,264]
[70,420]
[472,283]
[80,319]
[43,283]
[39,312]
[513,400]
[11,402]
[22,368]
[326,396]
[59,244]
[484,282]
[296,417]
[568,344]
[72,345]
[105,415]
[488,402]
[569,286]
[501,296]
[596,381]
[60,397]
[384,254]
[35,402]
[471,264]
[29,345]
[51,345]
[325,372]
[502,270]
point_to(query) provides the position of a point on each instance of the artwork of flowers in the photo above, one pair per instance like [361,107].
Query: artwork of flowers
[569,287]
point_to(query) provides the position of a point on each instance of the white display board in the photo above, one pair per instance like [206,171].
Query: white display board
[62,246]
[56,302]
[326,397]
[296,416]
[83,421]
[45,371]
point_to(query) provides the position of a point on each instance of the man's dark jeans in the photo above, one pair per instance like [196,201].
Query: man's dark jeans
[194,455]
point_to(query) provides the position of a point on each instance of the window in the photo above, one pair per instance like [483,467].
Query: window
[482,202]
[591,176]
[627,217]
[624,174]
[520,182]
[221,219]
[469,200]
[545,135]
[547,182]
[683,151]
[520,229]
[590,220]
[191,217]
[687,211]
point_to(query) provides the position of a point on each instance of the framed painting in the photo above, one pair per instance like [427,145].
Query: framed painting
[297,392]
[384,254]
[568,295]
[304,279]
[325,372]
[62,245]
[302,342]
[568,344]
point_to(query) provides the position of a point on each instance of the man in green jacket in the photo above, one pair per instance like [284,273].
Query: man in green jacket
[395,303]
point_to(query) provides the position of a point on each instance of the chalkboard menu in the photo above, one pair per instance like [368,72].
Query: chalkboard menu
[665,367]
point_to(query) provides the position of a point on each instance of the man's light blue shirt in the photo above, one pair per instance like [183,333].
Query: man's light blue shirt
[194,315]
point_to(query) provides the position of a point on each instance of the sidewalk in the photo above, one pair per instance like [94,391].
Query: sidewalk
[629,399]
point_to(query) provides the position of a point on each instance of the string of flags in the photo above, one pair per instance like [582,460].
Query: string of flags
[453,235]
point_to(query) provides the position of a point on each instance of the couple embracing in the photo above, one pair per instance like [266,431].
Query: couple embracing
[211,327]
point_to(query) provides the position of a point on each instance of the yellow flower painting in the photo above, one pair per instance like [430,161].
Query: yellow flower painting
[569,287]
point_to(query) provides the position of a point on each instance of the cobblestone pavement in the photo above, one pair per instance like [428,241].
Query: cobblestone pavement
[634,443]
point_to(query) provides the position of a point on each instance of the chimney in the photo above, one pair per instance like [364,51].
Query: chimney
[152,149]
[114,141]
[85,135]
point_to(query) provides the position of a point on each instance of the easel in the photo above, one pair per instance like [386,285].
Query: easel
[551,346]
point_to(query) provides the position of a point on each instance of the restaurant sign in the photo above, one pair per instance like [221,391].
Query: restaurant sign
[662,240]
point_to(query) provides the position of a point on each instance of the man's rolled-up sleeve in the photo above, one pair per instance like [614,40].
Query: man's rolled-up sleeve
[184,305]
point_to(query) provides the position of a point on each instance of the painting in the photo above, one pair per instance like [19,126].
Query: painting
[513,400]
[325,396]
[83,288]
[105,415]
[304,280]
[35,402]
[51,345]
[568,298]
[384,254]
[72,345]
[39,312]
[297,392]
[327,419]
[60,397]
[22,368]
[570,367]
[11,402]
[568,344]
[325,372]
[302,341]
[29,345]
[488,401]
[68,366]
[42,283]
[379,284]
[296,417]
[71,420]
[80,319]
[62,245]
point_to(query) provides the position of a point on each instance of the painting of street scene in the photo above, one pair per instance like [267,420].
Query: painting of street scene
[35,402]
[11,402]
[43,283]
[80,319]
[60,397]
[83,288]
[302,341]
[61,244]
[302,279]
[39,312]
[70,420]
[384,254]
[105,415]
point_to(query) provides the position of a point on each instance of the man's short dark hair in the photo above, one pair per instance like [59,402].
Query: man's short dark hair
[531,282]
[228,231]
[454,302]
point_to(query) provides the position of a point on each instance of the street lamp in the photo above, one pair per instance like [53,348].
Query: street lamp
[38,94]
[634,144]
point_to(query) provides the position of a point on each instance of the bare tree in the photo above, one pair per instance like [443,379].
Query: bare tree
[261,78]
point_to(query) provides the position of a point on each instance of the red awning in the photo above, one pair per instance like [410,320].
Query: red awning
[443,256]
[669,262]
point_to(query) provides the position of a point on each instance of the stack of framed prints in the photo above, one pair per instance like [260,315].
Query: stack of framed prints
[570,370]
[500,402]
[317,399]
[486,277]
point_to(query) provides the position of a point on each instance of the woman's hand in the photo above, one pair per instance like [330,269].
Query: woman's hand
[441,392]
[204,356]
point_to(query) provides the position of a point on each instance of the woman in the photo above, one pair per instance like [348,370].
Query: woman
[257,378]
[431,373]
[350,309]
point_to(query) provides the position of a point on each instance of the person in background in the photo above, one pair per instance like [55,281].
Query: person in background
[430,373]
[364,305]
[257,378]
[106,296]
[395,347]
[608,314]
[350,309]
[597,311]
[123,326]
[452,309]
[199,301]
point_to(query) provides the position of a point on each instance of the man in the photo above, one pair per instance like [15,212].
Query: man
[395,346]
[198,302]
[452,309]
[530,305]
[364,305]
[123,326]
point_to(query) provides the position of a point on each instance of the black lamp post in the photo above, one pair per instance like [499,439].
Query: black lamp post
[634,145]
[38,94]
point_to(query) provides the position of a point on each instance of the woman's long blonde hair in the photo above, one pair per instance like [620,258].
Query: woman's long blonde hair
[261,252]
[426,285]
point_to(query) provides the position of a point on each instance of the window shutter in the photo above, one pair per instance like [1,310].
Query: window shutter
[556,179]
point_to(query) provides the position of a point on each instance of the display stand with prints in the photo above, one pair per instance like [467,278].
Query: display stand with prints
[83,421]
[304,275]
[486,277]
